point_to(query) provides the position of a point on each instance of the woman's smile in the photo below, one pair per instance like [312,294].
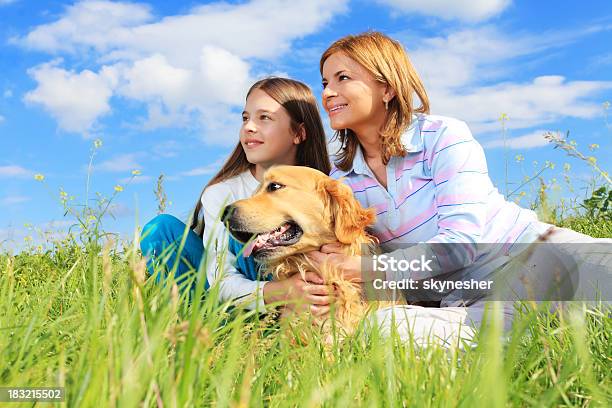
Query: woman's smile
[336,109]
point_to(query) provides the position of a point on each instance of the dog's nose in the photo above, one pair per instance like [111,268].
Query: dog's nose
[227,212]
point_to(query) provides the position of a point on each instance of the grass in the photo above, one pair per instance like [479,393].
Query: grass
[87,321]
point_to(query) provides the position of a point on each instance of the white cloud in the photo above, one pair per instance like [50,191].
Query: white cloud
[7,93]
[97,24]
[15,171]
[172,93]
[13,200]
[469,56]
[75,100]
[2,119]
[6,2]
[120,163]
[186,68]
[466,10]
[126,30]
[152,78]
[528,141]
[224,75]
[459,68]
[544,100]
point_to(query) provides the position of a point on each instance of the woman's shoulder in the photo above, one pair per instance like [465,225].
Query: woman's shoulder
[436,123]
[437,130]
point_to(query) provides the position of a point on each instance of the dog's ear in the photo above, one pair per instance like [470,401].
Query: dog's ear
[350,218]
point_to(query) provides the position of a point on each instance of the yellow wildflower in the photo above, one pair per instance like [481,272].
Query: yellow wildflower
[39,177]
[118,188]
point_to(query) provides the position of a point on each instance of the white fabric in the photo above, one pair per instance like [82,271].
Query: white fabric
[233,284]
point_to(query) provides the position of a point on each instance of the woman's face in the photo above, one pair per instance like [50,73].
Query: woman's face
[266,134]
[352,98]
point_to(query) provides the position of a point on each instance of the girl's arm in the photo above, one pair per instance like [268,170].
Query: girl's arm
[220,262]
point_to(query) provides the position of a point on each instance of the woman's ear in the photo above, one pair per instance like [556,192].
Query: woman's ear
[389,93]
[300,135]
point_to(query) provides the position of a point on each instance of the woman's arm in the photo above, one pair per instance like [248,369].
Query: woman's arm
[456,163]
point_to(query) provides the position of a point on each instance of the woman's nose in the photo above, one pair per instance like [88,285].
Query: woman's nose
[327,93]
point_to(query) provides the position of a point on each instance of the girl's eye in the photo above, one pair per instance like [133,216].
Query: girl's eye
[264,117]
[273,187]
[341,77]
[244,119]
[323,84]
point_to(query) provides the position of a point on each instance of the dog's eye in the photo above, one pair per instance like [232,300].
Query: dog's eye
[273,187]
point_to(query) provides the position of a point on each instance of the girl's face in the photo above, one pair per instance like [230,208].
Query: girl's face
[266,134]
[352,98]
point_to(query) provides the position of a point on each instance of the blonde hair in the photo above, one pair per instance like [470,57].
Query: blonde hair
[301,105]
[387,61]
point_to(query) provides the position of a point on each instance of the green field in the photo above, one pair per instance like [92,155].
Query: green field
[84,320]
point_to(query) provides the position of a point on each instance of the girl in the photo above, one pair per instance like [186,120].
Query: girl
[425,175]
[280,125]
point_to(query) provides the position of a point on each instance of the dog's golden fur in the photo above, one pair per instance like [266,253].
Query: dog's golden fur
[326,211]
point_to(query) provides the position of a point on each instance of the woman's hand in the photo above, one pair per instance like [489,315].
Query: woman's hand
[349,266]
[301,295]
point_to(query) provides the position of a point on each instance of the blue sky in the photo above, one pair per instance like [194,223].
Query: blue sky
[162,85]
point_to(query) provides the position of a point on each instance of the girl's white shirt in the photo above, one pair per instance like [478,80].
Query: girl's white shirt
[220,263]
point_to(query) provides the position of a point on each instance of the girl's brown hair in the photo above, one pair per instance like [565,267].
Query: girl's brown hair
[301,105]
[387,61]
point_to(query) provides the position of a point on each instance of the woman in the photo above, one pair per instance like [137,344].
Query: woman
[280,125]
[425,175]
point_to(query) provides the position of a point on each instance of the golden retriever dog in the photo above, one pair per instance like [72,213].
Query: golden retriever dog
[296,210]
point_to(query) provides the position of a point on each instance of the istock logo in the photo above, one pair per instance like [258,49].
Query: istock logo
[384,263]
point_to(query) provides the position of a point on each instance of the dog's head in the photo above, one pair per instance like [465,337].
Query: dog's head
[295,210]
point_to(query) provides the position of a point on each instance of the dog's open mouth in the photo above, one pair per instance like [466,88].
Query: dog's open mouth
[287,234]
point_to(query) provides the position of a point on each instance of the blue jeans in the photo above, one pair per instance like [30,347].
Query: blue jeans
[161,238]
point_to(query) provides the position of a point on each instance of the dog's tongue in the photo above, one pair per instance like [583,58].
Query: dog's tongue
[255,244]
[262,239]
[248,249]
